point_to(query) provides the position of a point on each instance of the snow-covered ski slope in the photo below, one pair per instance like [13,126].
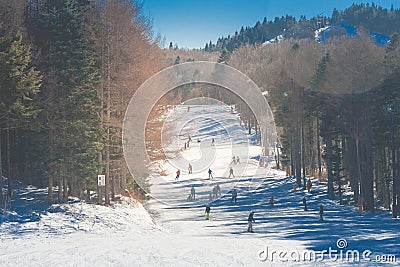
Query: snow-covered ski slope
[124,235]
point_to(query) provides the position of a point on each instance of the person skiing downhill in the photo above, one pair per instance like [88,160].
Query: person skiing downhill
[250,221]
[213,142]
[309,185]
[190,168]
[271,201]
[193,192]
[234,195]
[215,192]
[231,173]
[210,176]
[218,190]
[305,203]
[178,173]
[208,209]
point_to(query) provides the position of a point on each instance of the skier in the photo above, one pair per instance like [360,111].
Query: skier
[193,192]
[309,185]
[208,209]
[231,173]
[210,176]
[271,201]
[250,221]
[190,168]
[305,203]
[234,195]
[233,160]
[215,192]
[178,172]
[321,212]
[237,160]
[363,204]
[218,190]
[189,138]
[213,142]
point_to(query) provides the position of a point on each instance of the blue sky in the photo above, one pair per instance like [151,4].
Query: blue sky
[193,23]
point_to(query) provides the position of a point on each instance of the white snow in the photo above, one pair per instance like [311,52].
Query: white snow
[176,232]
[318,33]
[274,40]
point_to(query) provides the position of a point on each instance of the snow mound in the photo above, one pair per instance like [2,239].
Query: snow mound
[33,215]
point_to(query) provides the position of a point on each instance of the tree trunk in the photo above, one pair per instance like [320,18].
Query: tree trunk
[9,189]
[297,155]
[291,152]
[331,191]
[60,188]
[113,185]
[107,195]
[319,151]
[1,175]
[65,190]
[303,156]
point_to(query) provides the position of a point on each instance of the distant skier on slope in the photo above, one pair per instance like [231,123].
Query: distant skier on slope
[213,142]
[208,210]
[193,192]
[250,221]
[218,190]
[231,173]
[234,195]
[305,203]
[215,192]
[210,172]
[309,185]
[178,173]
[271,201]
[190,168]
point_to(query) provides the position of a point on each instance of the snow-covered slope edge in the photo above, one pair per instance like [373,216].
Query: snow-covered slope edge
[27,216]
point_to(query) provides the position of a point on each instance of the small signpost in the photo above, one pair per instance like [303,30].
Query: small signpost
[101,180]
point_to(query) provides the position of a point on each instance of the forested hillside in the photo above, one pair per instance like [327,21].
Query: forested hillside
[68,70]
[363,16]
[336,106]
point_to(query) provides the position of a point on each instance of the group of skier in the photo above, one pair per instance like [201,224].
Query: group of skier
[308,186]
[216,191]
[235,160]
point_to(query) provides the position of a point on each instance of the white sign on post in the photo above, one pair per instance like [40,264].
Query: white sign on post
[101,180]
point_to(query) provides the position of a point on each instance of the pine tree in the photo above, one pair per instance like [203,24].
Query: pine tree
[224,57]
[73,126]
[177,60]
[19,85]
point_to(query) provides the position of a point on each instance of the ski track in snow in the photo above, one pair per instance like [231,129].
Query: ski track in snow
[80,234]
